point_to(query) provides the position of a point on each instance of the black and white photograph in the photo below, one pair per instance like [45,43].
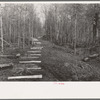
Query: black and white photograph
[49,42]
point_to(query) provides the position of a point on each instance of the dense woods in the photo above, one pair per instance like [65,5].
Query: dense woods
[19,22]
[76,25]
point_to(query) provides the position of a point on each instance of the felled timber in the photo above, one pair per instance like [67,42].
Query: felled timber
[85,59]
[10,56]
[24,62]
[34,68]
[35,54]
[5,55]
[31,64]
[34,51]
[28,57]
[10,65]
[25,77]
[18,55]
[93,56]
[36,47]
[34,39]
[37,42]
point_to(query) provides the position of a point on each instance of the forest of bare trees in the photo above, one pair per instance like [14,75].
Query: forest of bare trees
[50,41]
[19,22]
[76,25]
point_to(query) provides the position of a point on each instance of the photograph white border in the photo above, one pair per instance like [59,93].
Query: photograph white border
[50,90]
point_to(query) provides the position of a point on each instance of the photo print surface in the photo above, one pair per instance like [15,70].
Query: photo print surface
[49,42]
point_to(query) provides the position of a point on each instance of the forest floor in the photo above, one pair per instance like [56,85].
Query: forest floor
[66,66]
[58,64]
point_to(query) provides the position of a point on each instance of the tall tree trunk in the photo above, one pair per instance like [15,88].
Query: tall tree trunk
[18,33]
[75,37]
[1,36]
[95,21]
[24,34]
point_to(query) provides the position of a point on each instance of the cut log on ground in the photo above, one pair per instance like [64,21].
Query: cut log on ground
[10,56]
[29,62]
[34,51]
[18,55]
[37,42]
[85,59]
[35,68]
[5,55]
[29,57]
[35,54]
[24,77]
[34,39]
[10,65]
[36,48]
[93,56]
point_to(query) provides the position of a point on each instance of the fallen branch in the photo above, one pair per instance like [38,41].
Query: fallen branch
[6,42]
